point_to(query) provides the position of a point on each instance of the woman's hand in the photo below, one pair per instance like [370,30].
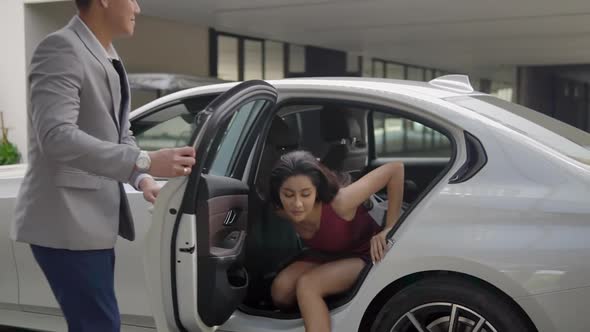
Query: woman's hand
[379,245]
[150,189]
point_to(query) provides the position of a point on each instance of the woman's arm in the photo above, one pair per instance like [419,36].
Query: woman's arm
[391,175]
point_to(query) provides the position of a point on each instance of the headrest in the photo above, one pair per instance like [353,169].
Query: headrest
[337,125]
[281,135]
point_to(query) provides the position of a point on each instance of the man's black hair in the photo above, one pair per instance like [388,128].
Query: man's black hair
[83,4]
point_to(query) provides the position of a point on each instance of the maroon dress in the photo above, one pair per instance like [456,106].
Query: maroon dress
[342,238]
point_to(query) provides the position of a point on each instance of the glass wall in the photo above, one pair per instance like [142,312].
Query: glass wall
[253,60]
[415,73]
[245,58]
[227,58]
[352,63]
[274,58]
[372,67]
[501,90]
[296,58]
[394,71]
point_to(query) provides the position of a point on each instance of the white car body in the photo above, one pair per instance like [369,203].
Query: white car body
[521,225]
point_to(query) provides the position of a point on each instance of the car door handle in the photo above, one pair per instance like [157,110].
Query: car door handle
[231,217]
[187,250]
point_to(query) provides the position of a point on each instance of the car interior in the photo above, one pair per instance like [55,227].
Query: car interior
[350,140]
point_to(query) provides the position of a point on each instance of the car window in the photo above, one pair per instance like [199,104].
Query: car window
[551,132]
[237,130]
[396,137]
[169,127]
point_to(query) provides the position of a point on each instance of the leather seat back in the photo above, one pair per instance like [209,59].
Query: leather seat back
[347,151]
[280,140]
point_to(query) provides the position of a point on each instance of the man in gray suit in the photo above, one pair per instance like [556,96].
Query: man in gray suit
[72,204]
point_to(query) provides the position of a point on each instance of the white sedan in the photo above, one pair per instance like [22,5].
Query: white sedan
[493,236]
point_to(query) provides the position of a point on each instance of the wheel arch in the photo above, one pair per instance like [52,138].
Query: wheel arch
[393,288]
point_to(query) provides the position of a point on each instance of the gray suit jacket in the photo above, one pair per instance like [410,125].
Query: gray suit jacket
[79,149]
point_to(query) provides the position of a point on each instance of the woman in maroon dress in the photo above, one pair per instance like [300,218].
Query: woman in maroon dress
[329,217]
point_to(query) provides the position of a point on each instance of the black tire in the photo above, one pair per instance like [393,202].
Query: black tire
[431,302]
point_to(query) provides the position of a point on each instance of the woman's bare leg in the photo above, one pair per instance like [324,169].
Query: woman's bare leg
[283,286]
[327,279]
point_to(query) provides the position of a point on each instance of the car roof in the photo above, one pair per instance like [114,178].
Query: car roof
[443,87]
[168,81]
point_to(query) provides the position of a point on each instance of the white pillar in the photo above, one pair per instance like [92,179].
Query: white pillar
[13,85]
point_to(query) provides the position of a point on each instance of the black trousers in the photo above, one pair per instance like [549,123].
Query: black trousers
[83,284]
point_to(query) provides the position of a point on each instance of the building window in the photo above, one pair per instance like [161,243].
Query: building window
[428,75]
[246,58]
[378,68]
[296,58]
[501,90]
[394,71]
[352,63]
[386,69]
[367,67]
[415,74]
[274,60]
[227,58]
[252,60]
[475,83]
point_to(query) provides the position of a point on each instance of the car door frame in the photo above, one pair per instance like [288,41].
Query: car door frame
[184,190]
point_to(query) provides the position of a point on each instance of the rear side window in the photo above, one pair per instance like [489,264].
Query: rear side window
[396,137]
[551,132]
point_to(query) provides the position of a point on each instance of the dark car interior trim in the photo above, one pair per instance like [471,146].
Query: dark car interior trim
[220,247]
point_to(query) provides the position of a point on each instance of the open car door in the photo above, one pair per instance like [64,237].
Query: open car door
[193,256]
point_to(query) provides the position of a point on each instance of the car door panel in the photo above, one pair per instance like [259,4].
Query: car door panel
[222,213]
[195,244]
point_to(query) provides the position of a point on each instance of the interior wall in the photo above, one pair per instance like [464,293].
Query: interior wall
[43,18]
[13,98]
[157,46]
[165,46]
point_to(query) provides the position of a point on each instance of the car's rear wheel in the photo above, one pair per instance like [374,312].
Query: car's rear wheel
[434,304]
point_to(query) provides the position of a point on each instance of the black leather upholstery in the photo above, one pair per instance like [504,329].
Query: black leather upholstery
[347,151]
[280,140]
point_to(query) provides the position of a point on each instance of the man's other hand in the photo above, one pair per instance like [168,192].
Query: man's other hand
[150,189]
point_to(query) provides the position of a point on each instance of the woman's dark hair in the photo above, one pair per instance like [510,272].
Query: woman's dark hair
[294,163]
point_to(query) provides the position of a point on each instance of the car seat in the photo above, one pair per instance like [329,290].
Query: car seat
[347,149]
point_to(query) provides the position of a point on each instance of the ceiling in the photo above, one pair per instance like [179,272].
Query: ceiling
[459,35]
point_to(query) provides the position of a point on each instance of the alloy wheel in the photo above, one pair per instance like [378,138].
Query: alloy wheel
[442,317]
